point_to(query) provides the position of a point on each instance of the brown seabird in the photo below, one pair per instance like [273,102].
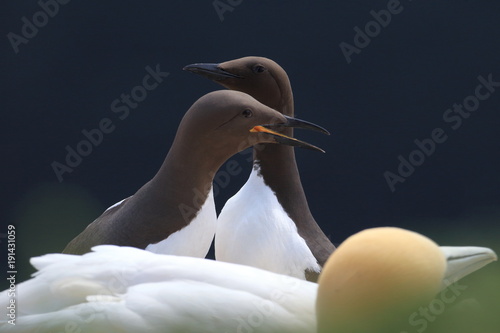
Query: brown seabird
[174,212]
[284,220]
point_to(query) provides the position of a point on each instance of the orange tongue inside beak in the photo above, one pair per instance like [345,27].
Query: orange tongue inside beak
[259,128]
[285,139]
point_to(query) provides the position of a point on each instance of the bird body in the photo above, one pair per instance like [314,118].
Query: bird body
[201,228]
[264,236]
[125,289]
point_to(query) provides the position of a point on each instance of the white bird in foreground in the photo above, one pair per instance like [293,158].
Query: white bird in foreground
[124,289]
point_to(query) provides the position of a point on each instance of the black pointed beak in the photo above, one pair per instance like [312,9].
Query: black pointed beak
[299,123]
[284,139]
[211,71]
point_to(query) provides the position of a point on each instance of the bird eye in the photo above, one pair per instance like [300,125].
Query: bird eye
[258,68]
[247,113]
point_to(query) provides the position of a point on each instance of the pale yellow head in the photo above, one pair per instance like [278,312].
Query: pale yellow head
[376,278]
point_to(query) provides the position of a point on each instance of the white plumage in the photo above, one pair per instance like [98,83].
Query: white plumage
[264,236]
[124,289]
[193,240]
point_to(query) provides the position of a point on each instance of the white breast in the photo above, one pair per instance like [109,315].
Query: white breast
[253,229]
[195,239]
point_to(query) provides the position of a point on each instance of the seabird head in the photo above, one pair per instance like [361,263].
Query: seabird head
[231,121]
[260,77]
[376,279]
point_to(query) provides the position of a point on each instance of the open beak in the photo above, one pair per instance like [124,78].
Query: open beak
[211,71]
[298,123]
[284,139]
[280,138]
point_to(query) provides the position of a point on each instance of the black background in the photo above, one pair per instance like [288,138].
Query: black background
[394,91]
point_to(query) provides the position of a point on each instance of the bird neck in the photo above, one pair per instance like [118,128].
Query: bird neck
[187,173]
[280,172]
[175,195]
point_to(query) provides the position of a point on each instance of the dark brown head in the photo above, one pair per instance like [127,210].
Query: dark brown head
[222,123]
[259,77]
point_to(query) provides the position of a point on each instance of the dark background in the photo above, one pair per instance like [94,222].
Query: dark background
[393,92]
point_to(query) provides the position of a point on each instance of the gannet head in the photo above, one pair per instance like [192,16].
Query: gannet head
[376,278]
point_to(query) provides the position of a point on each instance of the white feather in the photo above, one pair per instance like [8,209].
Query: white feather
[122,289]
[253,229]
